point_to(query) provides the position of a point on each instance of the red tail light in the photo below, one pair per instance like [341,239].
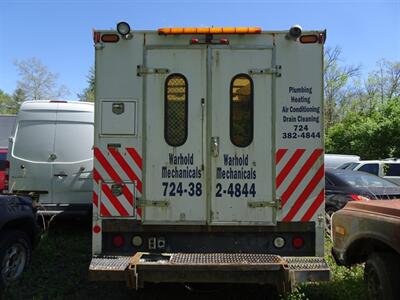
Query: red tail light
[298,242]
[359,197]
[118,241]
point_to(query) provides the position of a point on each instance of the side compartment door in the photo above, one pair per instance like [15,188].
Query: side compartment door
[175,118]
[241,141]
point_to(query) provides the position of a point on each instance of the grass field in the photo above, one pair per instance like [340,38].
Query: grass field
[60,263]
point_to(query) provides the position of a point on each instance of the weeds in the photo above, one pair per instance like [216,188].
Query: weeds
[60,265]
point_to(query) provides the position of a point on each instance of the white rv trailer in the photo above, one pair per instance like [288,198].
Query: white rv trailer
[208,156]
[51,157]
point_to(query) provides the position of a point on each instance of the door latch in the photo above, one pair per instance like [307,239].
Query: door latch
[141,70]
[215,146]
[277,204]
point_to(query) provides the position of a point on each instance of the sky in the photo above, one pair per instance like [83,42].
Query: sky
[59,32]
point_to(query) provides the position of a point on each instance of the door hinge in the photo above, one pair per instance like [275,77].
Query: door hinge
[277,204]
[141,70]
[275,70]
[143,203]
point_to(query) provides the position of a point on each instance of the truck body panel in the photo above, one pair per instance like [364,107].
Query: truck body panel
[208,144]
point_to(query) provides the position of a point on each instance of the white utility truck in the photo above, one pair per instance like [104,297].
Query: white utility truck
[208,156]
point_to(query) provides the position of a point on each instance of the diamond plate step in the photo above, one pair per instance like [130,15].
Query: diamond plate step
[306,263]
[306,269]
[225,258]
[109,263]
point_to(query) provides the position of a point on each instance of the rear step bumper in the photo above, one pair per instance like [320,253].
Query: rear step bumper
[283,272]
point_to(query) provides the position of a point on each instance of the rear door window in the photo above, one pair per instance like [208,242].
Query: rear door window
[73,141]
[391,169]
[34,140]
[370,168]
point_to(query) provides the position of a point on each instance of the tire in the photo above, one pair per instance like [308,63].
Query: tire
[15,255]
[381,274]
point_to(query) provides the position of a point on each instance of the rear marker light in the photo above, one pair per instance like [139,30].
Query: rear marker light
[279,242]
[210,30]
[96,37]
[110,38]
[118,241]
[340,230]
[224,41]
[309,39]
[194,41]
[96,229]
[298,242]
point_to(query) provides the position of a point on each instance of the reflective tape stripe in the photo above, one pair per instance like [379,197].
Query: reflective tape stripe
[314,207]
[136,157]
[289,166]
[95,199]
[127,169]
[279,154]
[106,165]
[300,176]
[114,200]
[305,194]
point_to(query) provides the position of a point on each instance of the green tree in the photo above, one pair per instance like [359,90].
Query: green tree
[373,135]
[88,93]
[7,104]
[336,79]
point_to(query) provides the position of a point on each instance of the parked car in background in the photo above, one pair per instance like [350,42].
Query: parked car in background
[19,234]
[3,170]
[342,186]
[336,160]
[388,168]
[7,123]
[51,157]
[369,232]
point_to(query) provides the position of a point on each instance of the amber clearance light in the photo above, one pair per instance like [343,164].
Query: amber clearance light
[210,30]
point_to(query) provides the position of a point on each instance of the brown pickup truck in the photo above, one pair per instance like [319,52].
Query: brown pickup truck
[370,232]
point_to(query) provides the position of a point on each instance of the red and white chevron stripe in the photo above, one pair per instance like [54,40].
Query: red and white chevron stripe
[299,182]
[117,166]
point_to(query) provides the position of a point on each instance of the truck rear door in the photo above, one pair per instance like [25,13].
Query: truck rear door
[240,136]
[175,92]
[208,135]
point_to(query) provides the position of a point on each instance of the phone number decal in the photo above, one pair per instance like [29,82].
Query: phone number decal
[173,189]
[301,132]
[236,190]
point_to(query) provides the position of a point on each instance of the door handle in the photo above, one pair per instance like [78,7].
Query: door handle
[61,175]
[215,146]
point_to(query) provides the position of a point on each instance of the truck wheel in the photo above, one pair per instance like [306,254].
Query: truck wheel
[381,276]
[15,254]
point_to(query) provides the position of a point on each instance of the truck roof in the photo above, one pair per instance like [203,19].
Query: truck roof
[57,105]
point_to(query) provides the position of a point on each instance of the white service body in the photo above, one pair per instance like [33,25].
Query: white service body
[50,154]
[257,171]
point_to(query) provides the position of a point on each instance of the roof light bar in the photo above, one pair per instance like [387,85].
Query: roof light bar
[210,30]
